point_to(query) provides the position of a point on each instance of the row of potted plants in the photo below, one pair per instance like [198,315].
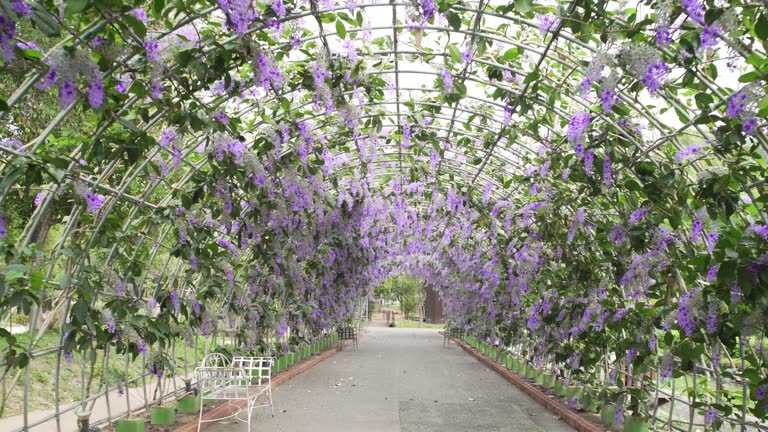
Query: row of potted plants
[190,403]
[602,402]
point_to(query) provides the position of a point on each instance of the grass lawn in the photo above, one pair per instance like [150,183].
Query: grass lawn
[42,370]
[415,324]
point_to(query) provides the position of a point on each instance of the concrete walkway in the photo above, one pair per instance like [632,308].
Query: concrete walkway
[401,380]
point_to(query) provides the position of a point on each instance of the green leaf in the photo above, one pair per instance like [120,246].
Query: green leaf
[45,21]
[454,20]
[341,31]
[533,76]
[524,6]
[158,6]
[36,280]
[327,18]
[137,26]
[286,104]
[511,54]
[74,7]
[453,50]
[761,26]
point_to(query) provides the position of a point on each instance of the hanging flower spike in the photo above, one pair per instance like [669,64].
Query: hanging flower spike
[3,229]
[577,128]
[608,172]
[447,80]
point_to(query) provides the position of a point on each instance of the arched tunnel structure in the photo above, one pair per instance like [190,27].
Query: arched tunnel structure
[583,181]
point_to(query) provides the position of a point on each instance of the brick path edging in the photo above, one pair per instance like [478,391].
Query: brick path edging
[223,409]
[573,419]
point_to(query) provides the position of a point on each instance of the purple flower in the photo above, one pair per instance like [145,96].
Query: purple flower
[619,417]
[686,313]
[466,56]
[663,36]
[695,10]
[712,313]
[175,301]
[152,50]
[589,159]
[577,127]
[22,8]
[709,37]
[240,13]
[761,390]
[196,307]
[607,98]
[638,215]
[428,10]
[221,117]
[710,416]
[761,230]
[736,104]
[279,8]
[631,353]
[712,273]
[749,126]
[447,81]
[655,76]
[39,198]
[67,93]
[68,357]
[295,41]
[139,14]
[667,365]
[608,172]
[546,22]
[688,153]
[94,201]
[711,240]
[96,92]
[3,229]
[736,294]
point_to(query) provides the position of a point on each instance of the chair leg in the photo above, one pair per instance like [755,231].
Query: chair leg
[200,417]
[271,406]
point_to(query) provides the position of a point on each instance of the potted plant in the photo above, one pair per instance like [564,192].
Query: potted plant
[608,397]
[637,420]
[157,364]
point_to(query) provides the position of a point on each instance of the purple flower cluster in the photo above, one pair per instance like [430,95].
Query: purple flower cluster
[712,316]
[577,128]
[655,76]
[760,230]
[240,14]
[447,80]
[638,215]
[94,201]
[608,171]
[3,228]
[686,312]
[546,22]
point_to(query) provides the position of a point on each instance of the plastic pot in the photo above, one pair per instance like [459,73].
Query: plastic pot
[573,392]
[560,388]
[608,414]
[530,372]
[129,425]
[189,404]
[162,415]
[636,424]
[539,379]
[589,403]
[548,380]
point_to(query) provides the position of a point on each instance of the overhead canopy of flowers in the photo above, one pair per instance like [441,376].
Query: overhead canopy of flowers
[589,176]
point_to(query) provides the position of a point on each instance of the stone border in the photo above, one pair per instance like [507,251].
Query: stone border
[223,409]
[573,419]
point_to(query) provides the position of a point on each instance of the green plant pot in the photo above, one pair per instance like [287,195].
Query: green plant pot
[162,415]
[608,414]
[512,363]
[548,380]
[636,424]
[539,379]
[530,372]
[589,403]
[503,359]
[573,392]
[190,404]
[129,425]
[306,352]
[560,389]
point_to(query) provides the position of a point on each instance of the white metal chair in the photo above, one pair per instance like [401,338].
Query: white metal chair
[244,379]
